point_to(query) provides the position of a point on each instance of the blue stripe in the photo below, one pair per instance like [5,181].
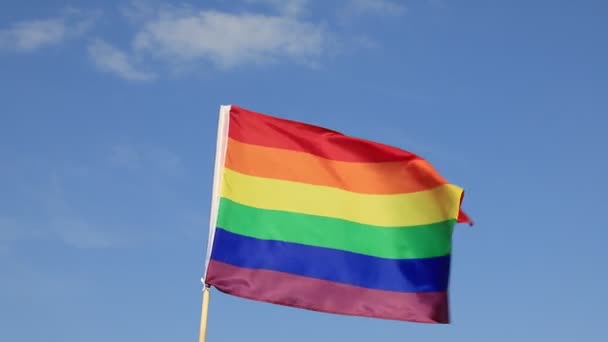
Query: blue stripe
[403,275]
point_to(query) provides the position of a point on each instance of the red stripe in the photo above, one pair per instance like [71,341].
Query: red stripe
[259,129]
[462,216]
[325,296]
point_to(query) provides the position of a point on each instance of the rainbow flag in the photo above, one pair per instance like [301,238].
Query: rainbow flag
[311,218]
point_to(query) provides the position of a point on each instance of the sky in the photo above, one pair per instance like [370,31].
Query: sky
[108,114]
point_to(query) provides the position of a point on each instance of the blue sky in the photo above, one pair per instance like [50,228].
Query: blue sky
[108,114]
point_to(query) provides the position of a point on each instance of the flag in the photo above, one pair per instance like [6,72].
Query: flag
[307,217]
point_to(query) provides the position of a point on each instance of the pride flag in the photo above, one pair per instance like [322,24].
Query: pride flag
[308,217]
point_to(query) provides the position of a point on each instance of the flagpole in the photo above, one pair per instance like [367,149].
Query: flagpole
[220,156]
[204,310]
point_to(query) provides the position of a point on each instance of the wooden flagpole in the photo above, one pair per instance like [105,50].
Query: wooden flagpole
[204,310]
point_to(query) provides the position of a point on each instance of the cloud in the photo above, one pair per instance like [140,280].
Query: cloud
[183,37]
[379,7]
[227,40]
[176,38]
[32,35]
[112,60]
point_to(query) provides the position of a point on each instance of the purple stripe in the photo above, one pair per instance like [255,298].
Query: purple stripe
[326,296]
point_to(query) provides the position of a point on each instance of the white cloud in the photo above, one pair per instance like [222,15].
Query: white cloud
[382,7]
[31,35]
[110,59]
[254,32]
[227,40]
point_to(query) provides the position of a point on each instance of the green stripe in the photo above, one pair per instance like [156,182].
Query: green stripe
[412,242]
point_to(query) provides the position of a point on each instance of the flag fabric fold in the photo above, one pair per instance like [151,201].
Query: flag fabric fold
[311,218]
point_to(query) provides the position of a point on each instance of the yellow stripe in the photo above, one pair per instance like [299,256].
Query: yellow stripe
[424,207]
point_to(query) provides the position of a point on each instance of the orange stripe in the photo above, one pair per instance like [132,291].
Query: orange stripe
[369,178]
